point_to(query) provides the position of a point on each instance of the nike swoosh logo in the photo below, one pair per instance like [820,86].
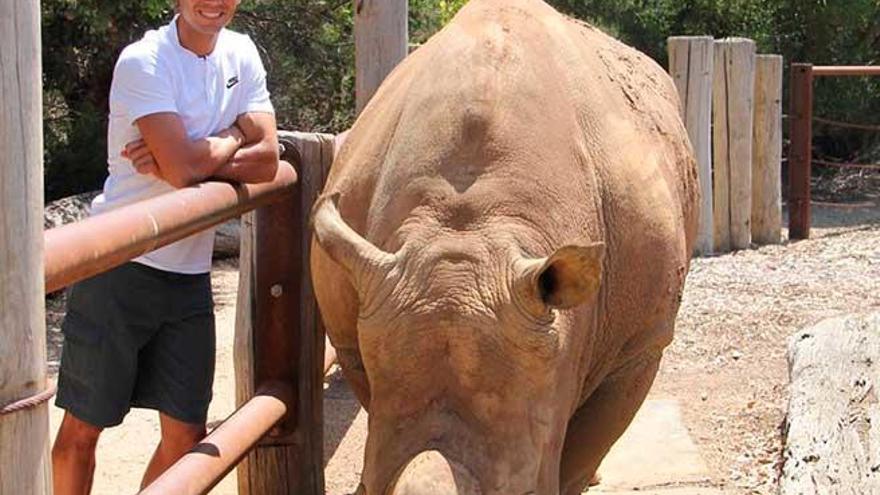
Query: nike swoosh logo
[231,82]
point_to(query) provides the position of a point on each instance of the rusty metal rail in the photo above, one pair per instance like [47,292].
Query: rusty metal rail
[208,462]
[846,70]
[801,133]
[281,336]
[83,249]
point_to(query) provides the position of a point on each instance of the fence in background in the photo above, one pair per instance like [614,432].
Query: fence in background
[800,160]
[731,105]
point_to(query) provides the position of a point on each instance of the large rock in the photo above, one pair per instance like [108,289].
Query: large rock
[68,210]
[226,242]
[833,424]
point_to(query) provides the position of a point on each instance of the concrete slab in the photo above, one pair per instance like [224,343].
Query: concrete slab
[655,455]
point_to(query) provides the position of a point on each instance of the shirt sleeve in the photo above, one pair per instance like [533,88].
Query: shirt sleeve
[141,85]
[256,94]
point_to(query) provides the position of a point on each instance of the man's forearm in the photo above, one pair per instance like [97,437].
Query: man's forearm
[208,156]
[257,162]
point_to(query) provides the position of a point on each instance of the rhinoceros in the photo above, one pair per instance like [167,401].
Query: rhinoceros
[500,251]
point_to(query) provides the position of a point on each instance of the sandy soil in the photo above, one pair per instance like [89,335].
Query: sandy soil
[727,365]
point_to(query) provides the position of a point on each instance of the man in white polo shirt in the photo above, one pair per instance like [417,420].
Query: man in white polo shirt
[188,102]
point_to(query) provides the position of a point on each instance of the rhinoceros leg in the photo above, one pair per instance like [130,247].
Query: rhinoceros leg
[600,421]
[353,369]
[339,305]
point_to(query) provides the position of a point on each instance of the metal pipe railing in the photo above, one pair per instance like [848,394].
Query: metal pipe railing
[211,459]
[801,134]
[83,249]
[846,70]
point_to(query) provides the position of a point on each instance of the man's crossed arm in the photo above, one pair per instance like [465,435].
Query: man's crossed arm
[245,152]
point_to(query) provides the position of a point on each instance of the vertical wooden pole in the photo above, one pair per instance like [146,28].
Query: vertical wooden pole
[800,155]
[732,137]
[767,151]
[691,64]
[25,465]
[279,337]
[380,35]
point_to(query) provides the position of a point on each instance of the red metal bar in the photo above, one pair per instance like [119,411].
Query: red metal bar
[800,154]
[208,462]
[83,249]
[845,70]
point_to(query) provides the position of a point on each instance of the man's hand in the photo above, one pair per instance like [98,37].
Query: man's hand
[257,159]
[141,158]
[180,161]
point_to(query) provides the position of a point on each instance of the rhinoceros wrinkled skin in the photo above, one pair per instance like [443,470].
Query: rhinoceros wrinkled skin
[500,251]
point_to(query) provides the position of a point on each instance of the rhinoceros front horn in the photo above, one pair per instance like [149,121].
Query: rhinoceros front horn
[431,473]
[342,243]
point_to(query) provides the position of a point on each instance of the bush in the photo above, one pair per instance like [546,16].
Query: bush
[307,46]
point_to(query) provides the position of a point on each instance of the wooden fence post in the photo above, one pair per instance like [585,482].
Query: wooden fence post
[800,155]
[25,465]
[767,151]
[732,110]
[277,317]
[691,64]
[381,36]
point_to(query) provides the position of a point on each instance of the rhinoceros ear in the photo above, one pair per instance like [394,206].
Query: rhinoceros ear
[568,278]
[341,242]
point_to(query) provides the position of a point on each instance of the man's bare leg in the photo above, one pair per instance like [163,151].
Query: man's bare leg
[73,456]
[177,439]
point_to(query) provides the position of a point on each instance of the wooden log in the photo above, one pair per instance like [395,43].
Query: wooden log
[833,425]
[25,465]
[380,37]
[275,288]
[691,64]
[732,160]
[767,151]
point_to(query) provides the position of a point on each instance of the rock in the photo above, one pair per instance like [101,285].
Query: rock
[68,210]
[227,239]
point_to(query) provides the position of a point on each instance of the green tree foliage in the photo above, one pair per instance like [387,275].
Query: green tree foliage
[81,40]
[822,32]
[307,46]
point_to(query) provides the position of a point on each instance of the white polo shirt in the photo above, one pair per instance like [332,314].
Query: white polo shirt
[157,74]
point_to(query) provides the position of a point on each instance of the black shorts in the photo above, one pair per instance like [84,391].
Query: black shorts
[142,337]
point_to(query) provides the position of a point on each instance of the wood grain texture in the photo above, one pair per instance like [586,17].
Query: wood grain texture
[292,464]
[381,36]
[691,65]
[733,93]
[767,151]
[24,436]
[832,443]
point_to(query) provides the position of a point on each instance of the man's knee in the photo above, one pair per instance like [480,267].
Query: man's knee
[181,436]
[76,436]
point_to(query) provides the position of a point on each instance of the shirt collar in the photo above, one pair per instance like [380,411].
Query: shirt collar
[175,40]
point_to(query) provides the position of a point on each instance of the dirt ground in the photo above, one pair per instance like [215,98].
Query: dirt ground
[727,365]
